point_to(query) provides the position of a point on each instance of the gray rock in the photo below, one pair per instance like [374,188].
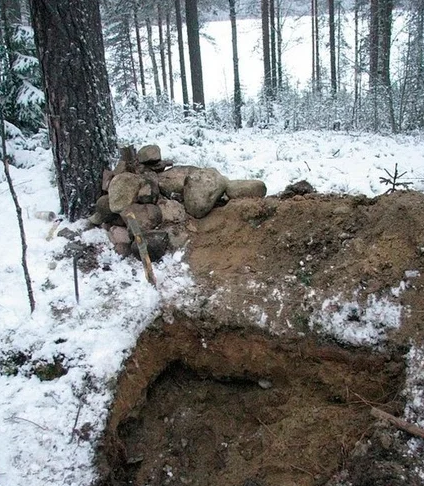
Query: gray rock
[103,208]
[149,154]
[239,189]
[96,219]
[123,191]
[149,189]
[108,175]
[297,189]
[68,234]
[171,182]
[118,234]
[172,211]
[148,216]
[202,189]
[157,243]
[123,249]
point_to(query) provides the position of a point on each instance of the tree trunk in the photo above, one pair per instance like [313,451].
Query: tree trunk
[279,47]
[153,58]
[181,56]
[139,51]
[386,37]
[69,41]
[169,48]
[237,87]
[266,49]
[332,39]
[314,80]
[192,22]
[317,55]
[356,67]
[374,43]
[162,50]
[129,41]
[273,46]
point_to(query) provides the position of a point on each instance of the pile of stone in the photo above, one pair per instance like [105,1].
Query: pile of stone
[163,198]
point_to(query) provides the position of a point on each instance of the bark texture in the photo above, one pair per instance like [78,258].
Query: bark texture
[70,47]
[192,22]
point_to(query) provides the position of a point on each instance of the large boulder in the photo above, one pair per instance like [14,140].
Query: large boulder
[240,189]
[149,154]
[123,191]
[171,182]
[148,216]
[172,211]
[202,189]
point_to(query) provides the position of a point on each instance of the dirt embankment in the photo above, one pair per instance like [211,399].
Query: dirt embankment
[238,389]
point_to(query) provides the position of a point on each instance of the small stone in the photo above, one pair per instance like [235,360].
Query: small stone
[96,219]
[265,384]
[52,265]
[45,215]
[412,273]
[68,234]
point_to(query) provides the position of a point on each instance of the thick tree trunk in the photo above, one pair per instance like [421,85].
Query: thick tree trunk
[333,70]
[237,87]
[169,48]
[181,56]
[192,22]
[162,50]
[69,40]
[139,52]
[153,58]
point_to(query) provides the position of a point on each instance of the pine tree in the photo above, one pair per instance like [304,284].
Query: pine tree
[70,46]
[20,83]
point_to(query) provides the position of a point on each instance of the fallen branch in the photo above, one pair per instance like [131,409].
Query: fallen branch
[18,209]
[397,422]
[142,247]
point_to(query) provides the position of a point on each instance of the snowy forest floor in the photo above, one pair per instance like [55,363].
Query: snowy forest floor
[259,356]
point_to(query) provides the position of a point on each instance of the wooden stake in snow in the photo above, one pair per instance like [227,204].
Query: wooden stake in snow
[397,422]
[142,247]
[18,213]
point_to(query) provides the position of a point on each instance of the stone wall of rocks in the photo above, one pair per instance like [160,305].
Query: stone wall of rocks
[163,197]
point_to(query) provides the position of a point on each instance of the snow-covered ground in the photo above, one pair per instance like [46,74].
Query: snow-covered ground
[37,418]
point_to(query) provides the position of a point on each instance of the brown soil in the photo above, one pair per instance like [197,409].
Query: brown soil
[209,397]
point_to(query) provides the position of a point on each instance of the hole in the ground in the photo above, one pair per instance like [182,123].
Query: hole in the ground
[242,408]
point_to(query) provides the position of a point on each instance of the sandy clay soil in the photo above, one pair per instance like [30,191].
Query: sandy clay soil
[245,384]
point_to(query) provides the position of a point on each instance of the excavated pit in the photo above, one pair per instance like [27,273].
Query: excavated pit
[237,406]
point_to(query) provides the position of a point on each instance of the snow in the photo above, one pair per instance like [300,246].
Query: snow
[37,418]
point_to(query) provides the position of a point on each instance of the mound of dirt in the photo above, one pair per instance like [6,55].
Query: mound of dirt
[262,380]
[275,262]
